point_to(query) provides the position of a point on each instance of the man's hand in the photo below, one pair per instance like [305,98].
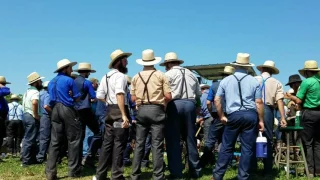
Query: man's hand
[283,123]
[126,122]
[224,120]
[37,117]
[261,126]
[134,121]
[70,93]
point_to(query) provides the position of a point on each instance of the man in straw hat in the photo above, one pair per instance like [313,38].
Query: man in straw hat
[45,123]
[308,97]
[83,107]
[31,118]
[4,91]
[150,90]
[244,113]
[272,95]
[64,120]
[113,90]
[216,127]
[15,130]
[181,116]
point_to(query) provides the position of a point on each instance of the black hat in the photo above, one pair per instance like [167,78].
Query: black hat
[293,79]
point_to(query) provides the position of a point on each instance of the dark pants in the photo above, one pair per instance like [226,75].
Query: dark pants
[214,136]
[45,131]
[129,149]
[245,124]
[29,144]
[114,143]
[15,134]
[206,128]
[65,123]
[149,118]
[3,117]
[147,150]
[311,139]
[181,119]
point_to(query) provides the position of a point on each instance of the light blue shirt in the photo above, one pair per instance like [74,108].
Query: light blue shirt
[229,90]
[44,100]
[15,111]
[212,92]
[204,109]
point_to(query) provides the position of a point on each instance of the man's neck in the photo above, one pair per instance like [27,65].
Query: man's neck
[146,68]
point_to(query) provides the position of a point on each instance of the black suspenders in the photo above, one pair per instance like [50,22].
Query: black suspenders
[15,112]
[184,83]
[107,94]
[240,92]
[145,86]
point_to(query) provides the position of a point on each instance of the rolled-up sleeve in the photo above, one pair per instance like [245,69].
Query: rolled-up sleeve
[221,91]
[121,83]
[211,93]
[279,92]
[4,91]
[258,93]
[91,91]
[101,94]
[166,85]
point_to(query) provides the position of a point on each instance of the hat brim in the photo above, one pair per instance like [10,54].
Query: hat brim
[224,73]
[69,64]
[274,69]
[17,98]
[5,82]
[35,80]
[171,60]
[117,57]
[91,70]
[244,65]
[293,82]
[205,86]
[149,63]
[302,71]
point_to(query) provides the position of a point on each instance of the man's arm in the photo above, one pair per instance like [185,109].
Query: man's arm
[121,104]
[282,113]
[4,91]
[259,105]
[217,103]
[35,109]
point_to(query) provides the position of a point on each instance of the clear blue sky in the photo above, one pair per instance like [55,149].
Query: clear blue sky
[35,35]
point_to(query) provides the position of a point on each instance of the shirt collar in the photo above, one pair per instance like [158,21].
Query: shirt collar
[265,74]
[241,70]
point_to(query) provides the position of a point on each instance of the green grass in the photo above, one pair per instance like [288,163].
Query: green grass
[10,170]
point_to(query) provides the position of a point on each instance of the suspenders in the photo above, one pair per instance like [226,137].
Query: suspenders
[263,87]
[240,92]
[107,94]
[15,112]
[145,86]
[184,83]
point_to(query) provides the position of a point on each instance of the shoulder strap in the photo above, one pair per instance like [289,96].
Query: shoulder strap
[15,111]
[184,83]
[107,83]
[263,87]
[145,86]
[240,92]
[81,88]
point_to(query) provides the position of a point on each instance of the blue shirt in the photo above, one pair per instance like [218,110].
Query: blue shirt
[204,109]
[15,111]
[59,88]
[44,101]
[101,109]
[4,91]
[212,92]
[87,88]
[132,107]
[229,90]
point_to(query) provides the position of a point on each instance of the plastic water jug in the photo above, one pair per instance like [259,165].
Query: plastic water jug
[297,120]
[261,146]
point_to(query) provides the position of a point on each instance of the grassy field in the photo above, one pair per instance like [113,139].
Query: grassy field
[11,170]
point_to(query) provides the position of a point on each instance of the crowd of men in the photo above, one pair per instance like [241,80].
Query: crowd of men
[80,118]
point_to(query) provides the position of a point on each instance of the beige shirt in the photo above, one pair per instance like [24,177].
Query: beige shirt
[273,88]
[157,86]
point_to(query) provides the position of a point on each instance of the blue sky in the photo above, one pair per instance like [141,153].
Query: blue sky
[35,35]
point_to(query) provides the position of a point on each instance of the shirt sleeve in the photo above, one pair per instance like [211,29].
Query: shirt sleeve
[101,94]
[35,96]
[166,85]
[303,90]
[279,92]
[121,83]
[91,91]
[211,93]
[258,93]
[46,100]
[4,91]
[133,86]
[221,89]
[75,90]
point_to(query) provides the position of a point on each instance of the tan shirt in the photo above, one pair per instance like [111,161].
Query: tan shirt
[273,88]
[157,86]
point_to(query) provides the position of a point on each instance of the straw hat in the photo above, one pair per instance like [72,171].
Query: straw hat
[128,79]
[243,59]
[45,84]
[227,70]
[293,79]
[85,67]
[269,64]
[14,97]
[3,80]
[148,58]
[204,86]
[116,55]
[309,65]
[94,80]
[34,77]
[64,63]
[171,57]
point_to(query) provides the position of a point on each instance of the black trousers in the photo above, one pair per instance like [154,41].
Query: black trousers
[311,139]
[149,118]
[65,122]
[113,146]
[15,133]
[3,117]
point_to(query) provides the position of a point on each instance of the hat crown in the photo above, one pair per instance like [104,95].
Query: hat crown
[269,63]
[311,64]
[14,96]
[116,53]
[148,55]
[170,55]
[86,66]
[3,79]
[243,58]
[229,69]
[33,76]
[291,91]
[62,63]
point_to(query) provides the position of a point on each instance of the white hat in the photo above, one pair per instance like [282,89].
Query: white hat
[269,64]
[64,63]
[291,91]
[148,58]
[85,67]
[128,79]
[3,80]
[204,86]
[309,65]
[45,84]
[34,77]
[228,70]
[116,55]
[14,97]
[171,57]
[243,59]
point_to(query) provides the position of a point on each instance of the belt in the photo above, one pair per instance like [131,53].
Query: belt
[313,109]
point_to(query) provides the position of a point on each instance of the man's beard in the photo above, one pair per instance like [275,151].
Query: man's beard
[123,69]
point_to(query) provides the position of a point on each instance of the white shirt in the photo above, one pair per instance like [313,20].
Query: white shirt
[117,83]
[31,94]
[191,85]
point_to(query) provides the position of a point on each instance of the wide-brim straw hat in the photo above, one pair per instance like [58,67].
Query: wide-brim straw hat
[269,64]
[3,80]
[148,58]
[34,77]
[243,59]
[309,65]
[85,67]
[45,84]
[14,97]
[171,57]
[204,86]
[115,55]
[293,79]
[228,70]
[64,63]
